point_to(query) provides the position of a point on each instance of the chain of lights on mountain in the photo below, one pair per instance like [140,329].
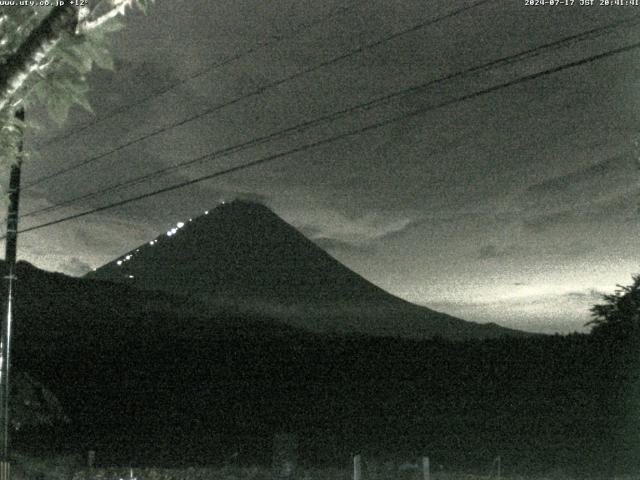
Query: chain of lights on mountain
[170,233]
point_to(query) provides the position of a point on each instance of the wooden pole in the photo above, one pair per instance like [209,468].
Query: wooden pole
[357,467]
[426,471]
[11,248]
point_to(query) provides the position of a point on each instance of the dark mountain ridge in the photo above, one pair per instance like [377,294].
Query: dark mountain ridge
[53,306]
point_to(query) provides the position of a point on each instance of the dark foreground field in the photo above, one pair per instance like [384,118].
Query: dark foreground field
[544,404]
[147,379]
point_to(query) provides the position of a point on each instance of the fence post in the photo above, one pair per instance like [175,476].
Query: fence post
[357,467]
[499,462]
[91,458]
[285,455]
[426,472]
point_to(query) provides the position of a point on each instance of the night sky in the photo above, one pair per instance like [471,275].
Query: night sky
[518,207]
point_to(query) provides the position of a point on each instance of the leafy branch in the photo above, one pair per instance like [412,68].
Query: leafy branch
[46,55]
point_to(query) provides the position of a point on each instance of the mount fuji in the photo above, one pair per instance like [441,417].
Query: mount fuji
[242,256]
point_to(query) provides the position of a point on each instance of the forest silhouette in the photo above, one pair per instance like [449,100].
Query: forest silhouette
[146,381]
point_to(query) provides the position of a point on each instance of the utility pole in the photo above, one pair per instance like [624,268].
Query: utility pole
[5,337]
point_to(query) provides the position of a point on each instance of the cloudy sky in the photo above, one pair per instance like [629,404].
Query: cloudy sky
[519,206]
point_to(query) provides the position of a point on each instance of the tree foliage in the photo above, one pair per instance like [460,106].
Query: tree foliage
[33,405]
[53,73]
[619,315]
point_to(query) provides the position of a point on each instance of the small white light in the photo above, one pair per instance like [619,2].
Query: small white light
[206,212]
[130,276]
[128,257]
[191,219]
[169,233]
[180,224]
[119,262]
[151,242]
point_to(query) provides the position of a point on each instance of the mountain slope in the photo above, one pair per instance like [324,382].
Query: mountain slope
[52,307]
[243,255]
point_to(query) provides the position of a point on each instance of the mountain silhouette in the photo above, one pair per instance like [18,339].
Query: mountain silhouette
[242,256]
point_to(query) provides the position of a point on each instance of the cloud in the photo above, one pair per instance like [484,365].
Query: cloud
[543,223]
[74,267]
[339,230]
[373,226]
[609,170]
[310,231]
[407,227]
[586,191]
[490,251]
[620,208]
[535,308]
[246,196]
[354,235]
[591,295]
[333,245]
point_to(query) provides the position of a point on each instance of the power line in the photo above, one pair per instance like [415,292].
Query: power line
[507,60]
[199,73]
[341,136]
[254,93]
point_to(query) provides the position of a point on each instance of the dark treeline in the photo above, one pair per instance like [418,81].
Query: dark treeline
[143,387]
[560,402]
